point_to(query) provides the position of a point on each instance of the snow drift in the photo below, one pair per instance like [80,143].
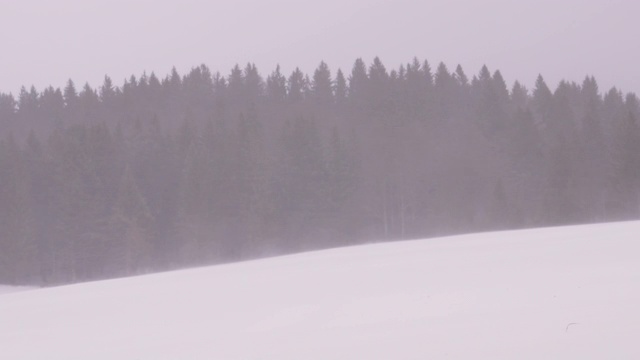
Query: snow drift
[559,293]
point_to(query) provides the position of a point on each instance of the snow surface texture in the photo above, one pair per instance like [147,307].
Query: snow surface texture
[560,293]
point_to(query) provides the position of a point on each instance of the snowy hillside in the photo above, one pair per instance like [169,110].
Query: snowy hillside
[12,289]
[563,293]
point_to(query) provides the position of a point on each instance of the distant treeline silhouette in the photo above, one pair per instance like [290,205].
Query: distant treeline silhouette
[199,169]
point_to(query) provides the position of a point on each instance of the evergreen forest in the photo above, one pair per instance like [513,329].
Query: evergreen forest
[160,173]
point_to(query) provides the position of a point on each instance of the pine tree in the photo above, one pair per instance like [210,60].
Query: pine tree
[131,223]
[358,85]
[220,97]
[193,204]
[322,87]
[18,251]
[28,104]
[428,76]
[379,94]
[88,101]
[52,105]
[542,102]
[417,89]
[70,94]
[519,96]
[7,108]
[461,77]
[296,86]
[444,91]
[276,87]
[624,199]
[78,209]
[342,170]
[254,85]
[235,85]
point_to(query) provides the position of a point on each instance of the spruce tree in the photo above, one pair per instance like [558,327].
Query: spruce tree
[322,87]
[131,222]
[276,88]
[296,86]
[340,89]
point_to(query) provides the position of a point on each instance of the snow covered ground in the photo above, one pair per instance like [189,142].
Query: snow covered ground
[561,293]
[11,289]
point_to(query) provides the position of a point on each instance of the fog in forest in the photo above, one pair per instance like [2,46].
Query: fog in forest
[230,132]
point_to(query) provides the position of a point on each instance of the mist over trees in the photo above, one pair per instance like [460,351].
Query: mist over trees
[205,168]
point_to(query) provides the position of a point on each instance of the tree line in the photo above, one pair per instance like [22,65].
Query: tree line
[204,168]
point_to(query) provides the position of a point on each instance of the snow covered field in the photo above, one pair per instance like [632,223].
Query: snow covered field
[562,293]
[11,289]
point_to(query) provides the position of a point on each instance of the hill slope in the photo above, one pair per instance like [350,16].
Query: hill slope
[562,293]
[11,289]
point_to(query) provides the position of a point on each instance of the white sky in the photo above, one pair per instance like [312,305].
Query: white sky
[47,42]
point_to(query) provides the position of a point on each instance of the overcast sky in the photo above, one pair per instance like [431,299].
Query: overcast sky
[46,42]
